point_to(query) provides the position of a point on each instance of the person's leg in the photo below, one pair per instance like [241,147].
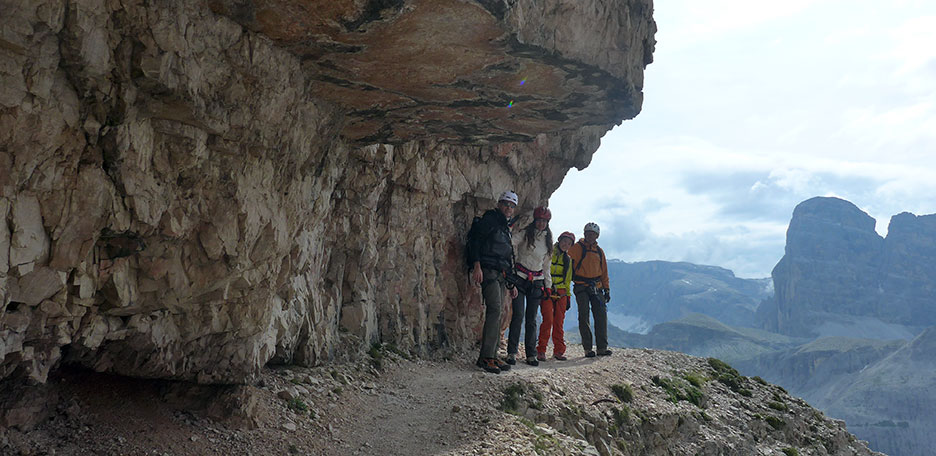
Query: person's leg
[516,321]
[492,291]
[529,330]
[581,300]
[558,334]
[506,314]
[546,308]
[600,312]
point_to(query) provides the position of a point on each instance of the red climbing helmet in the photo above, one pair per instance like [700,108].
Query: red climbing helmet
[567,234]
[542,213]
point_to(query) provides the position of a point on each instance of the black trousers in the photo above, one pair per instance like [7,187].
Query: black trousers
[532,294]
[587,299]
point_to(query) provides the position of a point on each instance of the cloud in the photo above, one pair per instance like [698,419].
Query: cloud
[750,109]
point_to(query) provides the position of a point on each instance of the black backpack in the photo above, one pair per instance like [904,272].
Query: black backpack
[474,236]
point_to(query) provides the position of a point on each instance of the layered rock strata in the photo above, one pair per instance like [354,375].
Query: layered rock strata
[192,190]
[839,277]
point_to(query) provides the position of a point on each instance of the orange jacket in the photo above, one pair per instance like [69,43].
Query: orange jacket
[588,262]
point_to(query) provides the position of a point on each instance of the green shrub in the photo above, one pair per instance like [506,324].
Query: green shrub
[297,405]
[678,390]
[392,348]
[511,399]
[621,416]
[780,406]
[377,356]
[727,375]
[515,393]
[759,380]
[775,422]
[790,451]
[545,444]
[624,393]
[695,379]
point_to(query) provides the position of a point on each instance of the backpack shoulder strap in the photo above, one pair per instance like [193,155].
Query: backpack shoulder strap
[578,264]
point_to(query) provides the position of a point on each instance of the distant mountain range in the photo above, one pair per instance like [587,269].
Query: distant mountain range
[851,326]
[651,292]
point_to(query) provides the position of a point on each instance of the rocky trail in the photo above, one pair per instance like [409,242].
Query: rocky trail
[634,402]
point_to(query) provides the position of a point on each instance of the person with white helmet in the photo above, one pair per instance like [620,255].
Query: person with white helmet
[490,254]
[532,251]
[591,289]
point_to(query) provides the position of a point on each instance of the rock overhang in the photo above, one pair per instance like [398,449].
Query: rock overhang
[274,226]
[472,72]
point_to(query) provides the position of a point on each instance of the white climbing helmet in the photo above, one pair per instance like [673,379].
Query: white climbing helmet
[509,196]
[592,226]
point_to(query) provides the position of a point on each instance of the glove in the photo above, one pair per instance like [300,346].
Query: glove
[607,295]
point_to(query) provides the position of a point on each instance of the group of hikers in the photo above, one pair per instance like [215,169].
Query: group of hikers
[537,274]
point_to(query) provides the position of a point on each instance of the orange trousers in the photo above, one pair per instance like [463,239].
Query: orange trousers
[553,310]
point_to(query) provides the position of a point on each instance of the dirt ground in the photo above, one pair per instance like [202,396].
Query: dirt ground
[385,406]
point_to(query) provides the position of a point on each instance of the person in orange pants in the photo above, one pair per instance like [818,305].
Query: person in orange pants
[557,300]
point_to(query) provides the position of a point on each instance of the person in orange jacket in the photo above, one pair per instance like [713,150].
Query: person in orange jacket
[591,289]
[557,300]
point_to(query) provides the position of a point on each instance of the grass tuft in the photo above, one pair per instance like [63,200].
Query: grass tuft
[624,393]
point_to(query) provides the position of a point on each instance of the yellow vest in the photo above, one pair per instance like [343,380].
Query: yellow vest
[561,269]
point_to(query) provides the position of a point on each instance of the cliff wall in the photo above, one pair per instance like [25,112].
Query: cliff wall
[192,190]
[839,277]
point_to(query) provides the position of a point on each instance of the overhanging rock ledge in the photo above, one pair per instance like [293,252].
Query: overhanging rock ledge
[191,190]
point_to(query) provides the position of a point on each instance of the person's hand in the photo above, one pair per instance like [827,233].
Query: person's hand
[513,293]
[607,295]
[476,275]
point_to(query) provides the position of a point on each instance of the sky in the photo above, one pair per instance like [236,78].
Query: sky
[753,107]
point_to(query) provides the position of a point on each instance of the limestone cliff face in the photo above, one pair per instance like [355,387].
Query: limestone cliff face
[838,277]
[192,190]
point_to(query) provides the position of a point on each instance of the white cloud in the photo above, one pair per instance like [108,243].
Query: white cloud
[753,107]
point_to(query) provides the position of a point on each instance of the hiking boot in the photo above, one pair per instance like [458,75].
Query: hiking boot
[531,360]
[512,359]
[559,357]
[590,354]
[541,357]
[504,367]
[605,352]
[489,365]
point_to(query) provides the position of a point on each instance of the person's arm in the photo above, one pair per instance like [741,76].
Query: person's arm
[547,265]
[476,275]
[605,280]
[568,275]
[575,253]
[604,270]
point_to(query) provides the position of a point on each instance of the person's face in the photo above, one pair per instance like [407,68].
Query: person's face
[507,208]
[564,244]
[591,236]
[541,224]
